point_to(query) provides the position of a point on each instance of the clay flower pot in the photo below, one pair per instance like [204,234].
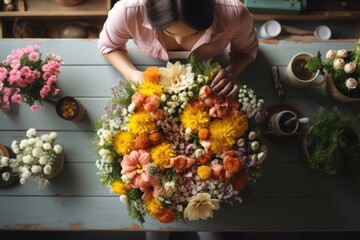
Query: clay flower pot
[57,166]
[335,93]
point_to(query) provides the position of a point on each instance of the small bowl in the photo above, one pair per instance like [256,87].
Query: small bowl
[70,109]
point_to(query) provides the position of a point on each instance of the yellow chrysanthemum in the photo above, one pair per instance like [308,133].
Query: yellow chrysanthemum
[148,88]
[123,142]
[194,119]
[152,74]
[141,123]
[153,206]
[118,187]
[239,121]
[222,136]
[204,172]
[161,154]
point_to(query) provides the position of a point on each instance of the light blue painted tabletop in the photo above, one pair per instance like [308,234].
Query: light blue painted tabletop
[286,198]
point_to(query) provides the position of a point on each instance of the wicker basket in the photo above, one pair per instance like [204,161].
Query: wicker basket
[335,93]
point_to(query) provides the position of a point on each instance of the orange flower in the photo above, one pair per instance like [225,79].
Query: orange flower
[204,134]
[180,163]
[142,142]
[152,74]
[155,138]
[166,215]
[204,159]
[239,181]
[232,163]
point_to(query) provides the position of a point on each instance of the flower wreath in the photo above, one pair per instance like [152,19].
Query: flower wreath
[172,148]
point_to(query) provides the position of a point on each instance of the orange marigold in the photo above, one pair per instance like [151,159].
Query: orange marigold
[233,164]
[155,138]
[152,74]
[142,142]
[204,134]
[166,215]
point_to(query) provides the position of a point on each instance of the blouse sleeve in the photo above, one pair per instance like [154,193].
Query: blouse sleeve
[245,39]
[115,32]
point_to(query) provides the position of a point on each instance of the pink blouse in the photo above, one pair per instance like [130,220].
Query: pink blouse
[232,25]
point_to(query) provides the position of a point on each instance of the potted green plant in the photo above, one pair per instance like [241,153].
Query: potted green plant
[331,145]
[341,70]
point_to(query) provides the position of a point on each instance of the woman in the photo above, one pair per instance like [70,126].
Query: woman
[165,29]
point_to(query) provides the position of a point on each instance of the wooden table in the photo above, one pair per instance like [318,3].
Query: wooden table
[286,198]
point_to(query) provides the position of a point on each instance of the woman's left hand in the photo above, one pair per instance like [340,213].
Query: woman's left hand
[224,84]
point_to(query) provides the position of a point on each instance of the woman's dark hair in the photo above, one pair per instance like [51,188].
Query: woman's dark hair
[197,14]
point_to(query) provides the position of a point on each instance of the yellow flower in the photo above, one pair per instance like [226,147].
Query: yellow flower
[194,119]
[148,88]
[153,206]
[201,207]
[118,187]
[141,123]
[161,154]
[204,172]
[123,142]
[222,135]
[239,121]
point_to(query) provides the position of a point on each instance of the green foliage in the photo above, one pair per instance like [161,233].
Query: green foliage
[206,67]
[333,141]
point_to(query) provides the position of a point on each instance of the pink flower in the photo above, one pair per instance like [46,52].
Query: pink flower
[34,108]
[338,63]
[16,98]
[138,99]
[134,167]
[56,91]
[351,83]
[3,73]
[151,189]
[342,53]
[350,67]
[331,54]
[34,56]
[45,91]
[151,103]
[204,92]
[158,114]
[51,80]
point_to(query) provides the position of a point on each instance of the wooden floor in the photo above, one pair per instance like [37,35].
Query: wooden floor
[110,235]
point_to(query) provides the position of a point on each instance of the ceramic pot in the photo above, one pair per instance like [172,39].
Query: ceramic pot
[57,166]
[70,109]
[335,93]
[296,74]
[69,2]
[4,152]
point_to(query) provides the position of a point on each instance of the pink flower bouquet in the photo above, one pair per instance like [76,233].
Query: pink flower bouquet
[174,149]
[27,77]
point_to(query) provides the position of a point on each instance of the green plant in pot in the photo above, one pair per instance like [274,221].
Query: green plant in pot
[331,145]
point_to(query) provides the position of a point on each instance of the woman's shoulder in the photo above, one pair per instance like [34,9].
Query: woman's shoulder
[129,4]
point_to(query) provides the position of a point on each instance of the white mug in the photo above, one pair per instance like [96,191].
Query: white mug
[285,123]
[270,29]
[296,65]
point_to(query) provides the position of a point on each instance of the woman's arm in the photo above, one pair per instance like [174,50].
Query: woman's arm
[120,60]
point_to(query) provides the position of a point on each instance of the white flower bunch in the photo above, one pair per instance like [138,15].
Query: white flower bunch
[35,157]
[250,104]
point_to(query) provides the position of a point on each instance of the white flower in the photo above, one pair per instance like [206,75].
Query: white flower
[57,149]
[351,83]
[46,146]
[350,67]
[5,176]
[187,134]
[36,169]
[331,54]
[47,169]
[23,143]
[342,53]
[4,161]
[201,207]
[252,135]
[36,152]
[254,145]
[131,107]
[338,63]
[260,158]
[27,159]
[54,135]
[123,198]
[43,160]
[240,142]
[31,132]
[199,152]
[176,77]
